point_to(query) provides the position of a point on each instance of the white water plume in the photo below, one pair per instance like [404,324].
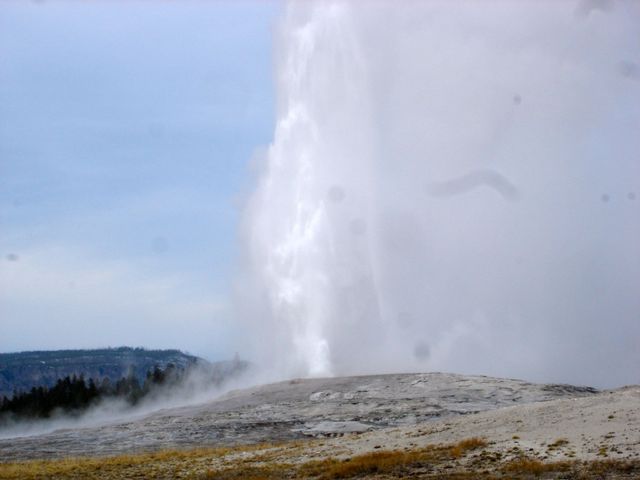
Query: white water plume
[451,185]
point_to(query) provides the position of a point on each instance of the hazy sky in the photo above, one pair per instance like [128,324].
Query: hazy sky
[445,185]
[125,133]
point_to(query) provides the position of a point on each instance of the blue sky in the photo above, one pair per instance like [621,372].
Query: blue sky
[125,136]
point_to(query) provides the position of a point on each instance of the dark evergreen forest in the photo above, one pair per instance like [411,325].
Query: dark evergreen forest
[74,394]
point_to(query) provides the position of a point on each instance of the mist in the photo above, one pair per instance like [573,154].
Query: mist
[450,186]
[199,384]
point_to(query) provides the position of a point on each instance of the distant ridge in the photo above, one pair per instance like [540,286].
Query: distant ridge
[23,370]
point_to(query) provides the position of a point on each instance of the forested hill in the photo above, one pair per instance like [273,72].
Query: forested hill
[24,370]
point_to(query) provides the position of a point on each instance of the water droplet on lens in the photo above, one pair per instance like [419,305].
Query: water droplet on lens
[629,70]
[404,319]
[159,245]
[421,351]
[357,226]
[336,194]
[586,7]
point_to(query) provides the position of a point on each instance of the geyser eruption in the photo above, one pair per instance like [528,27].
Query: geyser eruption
[432,195]
[312,208]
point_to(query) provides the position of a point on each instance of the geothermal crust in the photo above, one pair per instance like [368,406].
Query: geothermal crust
[377,409]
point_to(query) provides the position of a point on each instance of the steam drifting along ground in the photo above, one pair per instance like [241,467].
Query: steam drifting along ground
[451,186]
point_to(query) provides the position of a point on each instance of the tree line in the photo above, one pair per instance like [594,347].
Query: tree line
[73,394]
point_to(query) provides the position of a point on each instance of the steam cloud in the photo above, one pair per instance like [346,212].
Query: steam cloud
[370,244]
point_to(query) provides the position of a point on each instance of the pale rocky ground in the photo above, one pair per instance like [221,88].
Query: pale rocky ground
[359,414]
[604,425]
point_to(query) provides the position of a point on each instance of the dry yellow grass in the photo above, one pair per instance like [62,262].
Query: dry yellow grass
[559,443]
[577,470]
[123,466]
[386,462]
[264,461]
[534,466]
[162,464]
[468,459]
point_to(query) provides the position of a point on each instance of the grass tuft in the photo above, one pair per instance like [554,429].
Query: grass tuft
[560,442]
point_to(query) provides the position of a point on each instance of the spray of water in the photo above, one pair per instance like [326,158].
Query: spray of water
[432,198]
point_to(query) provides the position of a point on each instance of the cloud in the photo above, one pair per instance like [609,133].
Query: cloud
[54,298]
